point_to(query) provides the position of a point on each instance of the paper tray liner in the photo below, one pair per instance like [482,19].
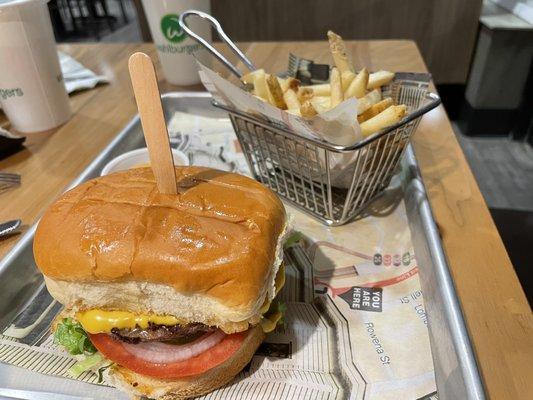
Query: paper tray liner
[355,319]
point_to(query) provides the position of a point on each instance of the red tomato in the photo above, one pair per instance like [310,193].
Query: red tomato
[115,351]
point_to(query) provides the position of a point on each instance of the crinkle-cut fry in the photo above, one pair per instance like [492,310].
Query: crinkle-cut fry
[276,92]
[346,78]
[338,51]
[388,117]
[375,109]
[307,110]
[323,89]
[321,103]
[250,76]
[368,100]
[289,83]
[336,87]
[357,88]
[305,93]
[291,100]
[379,78]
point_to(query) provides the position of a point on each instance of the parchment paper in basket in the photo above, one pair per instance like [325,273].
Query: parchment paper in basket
[337,126]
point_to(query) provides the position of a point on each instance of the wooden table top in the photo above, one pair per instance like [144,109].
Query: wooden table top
[497,314]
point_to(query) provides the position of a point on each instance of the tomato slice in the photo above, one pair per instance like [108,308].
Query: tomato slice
[115,351]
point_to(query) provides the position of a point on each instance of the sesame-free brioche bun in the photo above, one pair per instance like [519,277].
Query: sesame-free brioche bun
[209,254]
[177,389]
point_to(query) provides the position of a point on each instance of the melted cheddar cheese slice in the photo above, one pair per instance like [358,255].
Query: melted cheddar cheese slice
[98,321]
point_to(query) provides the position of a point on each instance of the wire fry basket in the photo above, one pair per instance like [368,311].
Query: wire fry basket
[330,182]
[301,170]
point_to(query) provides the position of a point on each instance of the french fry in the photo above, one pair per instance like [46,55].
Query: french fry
[289,83]
[283,83]
[373,112]
[323,89]
[321,103]
[294,111]
[260,85]
[304,93]
[291,100]
[386,118]
[367,101]
[276,92]
[358,86]
[375,109]
[338,51]
[250,76]
[293,83]
[307,110]
[336,87]
[378,79]
[346,78]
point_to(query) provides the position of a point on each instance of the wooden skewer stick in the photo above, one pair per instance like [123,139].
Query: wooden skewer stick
[144,81]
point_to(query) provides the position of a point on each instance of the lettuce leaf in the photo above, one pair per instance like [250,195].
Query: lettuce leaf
[293,239]
[281,308]
[101,372]
[70,334]
[277,307]
[88,363]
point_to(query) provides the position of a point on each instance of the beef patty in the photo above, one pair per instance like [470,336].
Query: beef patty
[160,333]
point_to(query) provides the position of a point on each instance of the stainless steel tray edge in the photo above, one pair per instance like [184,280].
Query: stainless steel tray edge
[456,370]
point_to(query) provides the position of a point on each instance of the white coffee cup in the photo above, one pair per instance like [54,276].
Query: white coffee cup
[32,93]
[175,48]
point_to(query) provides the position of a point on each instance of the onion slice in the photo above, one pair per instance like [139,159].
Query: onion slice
[164,353]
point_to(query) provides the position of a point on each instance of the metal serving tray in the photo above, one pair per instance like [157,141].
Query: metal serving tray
[455,366]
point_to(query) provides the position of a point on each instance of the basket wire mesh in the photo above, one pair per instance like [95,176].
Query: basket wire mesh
[299,169]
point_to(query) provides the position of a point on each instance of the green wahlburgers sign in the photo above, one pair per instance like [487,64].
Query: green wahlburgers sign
[171,28]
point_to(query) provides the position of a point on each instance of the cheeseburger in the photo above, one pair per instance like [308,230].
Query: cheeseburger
[169,295]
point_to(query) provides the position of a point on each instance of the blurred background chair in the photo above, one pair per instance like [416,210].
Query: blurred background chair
[79,20]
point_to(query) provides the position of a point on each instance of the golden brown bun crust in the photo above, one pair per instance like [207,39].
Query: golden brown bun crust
[178,389]
[216,238]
